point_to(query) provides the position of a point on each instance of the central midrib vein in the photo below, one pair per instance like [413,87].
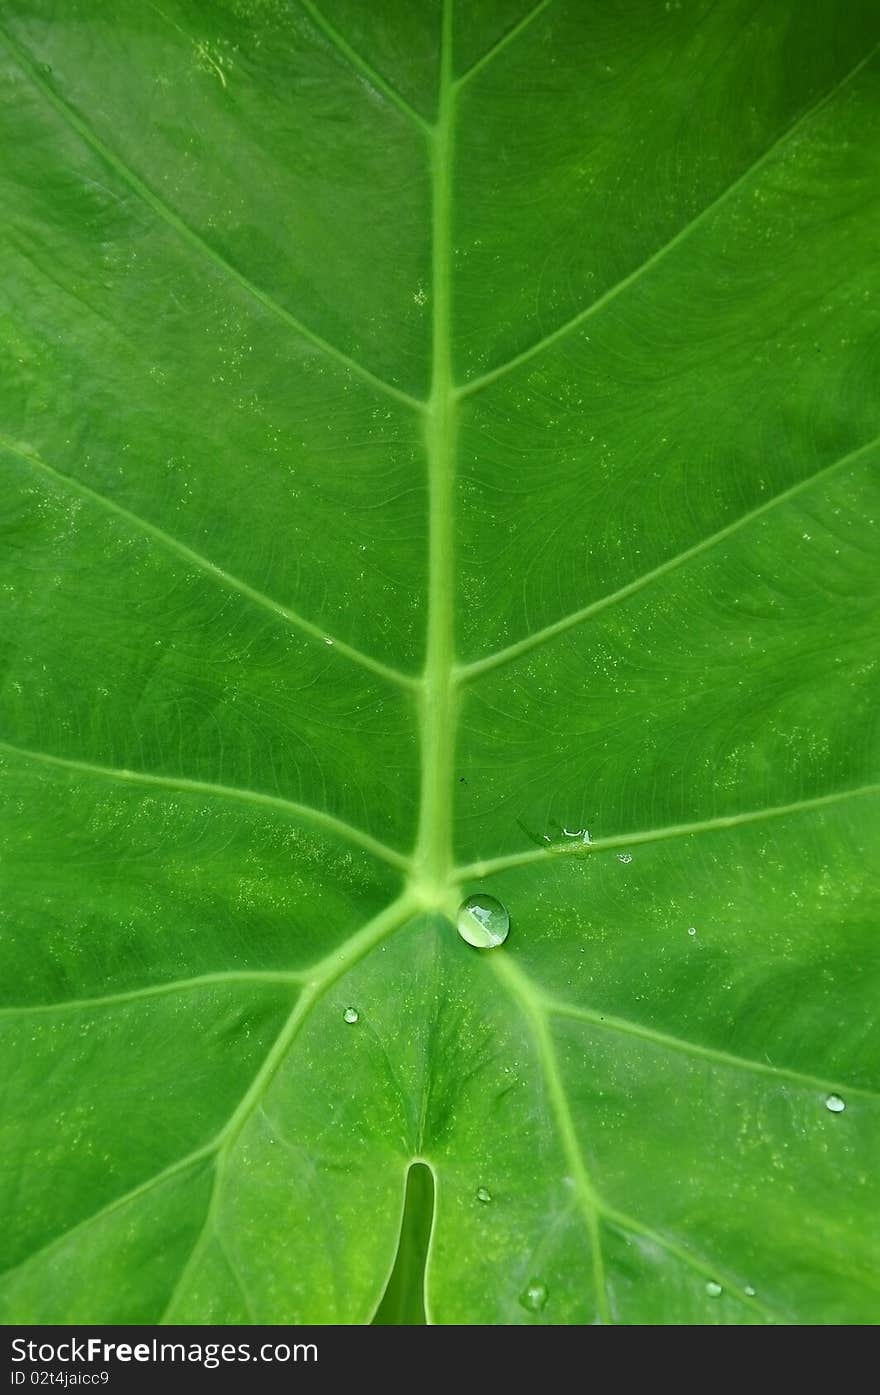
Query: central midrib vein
[434,844]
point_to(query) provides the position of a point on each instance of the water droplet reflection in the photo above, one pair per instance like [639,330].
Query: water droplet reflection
[534,1298]
[483,922]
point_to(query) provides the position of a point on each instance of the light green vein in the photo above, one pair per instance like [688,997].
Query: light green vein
[322,978]
[155,990]
[657,835]
[483,381]
[373,77]
[333,967]
[117,1204]
[491,54]
[438,710]
[530,642]
[163,210]
[536,1008]
[531,1007]
[329,822]
[606,1021]
[195,559]
[692,1261]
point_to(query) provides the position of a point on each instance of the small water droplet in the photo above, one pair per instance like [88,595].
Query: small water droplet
[327,639]
[692,929]
[483,1194]
[534,1297]
[624,857]
[46,68]
[713,1289]
[351,1015]
[483,922]
[749,1291]
[835,1104]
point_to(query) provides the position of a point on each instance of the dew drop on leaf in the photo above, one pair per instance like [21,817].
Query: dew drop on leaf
[350,1015]
[624,857]
[749,1291]
[534,1297]
[483,922]
[483,1194]
[713,1289]
[835,1104]
[692,929]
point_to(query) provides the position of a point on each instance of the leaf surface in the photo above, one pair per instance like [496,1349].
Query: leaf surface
[440,450]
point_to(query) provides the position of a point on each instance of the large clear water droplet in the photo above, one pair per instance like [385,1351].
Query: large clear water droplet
[534,1297]
[483,922]
[713,1289]
[484,1195]
[350,1015]
[835,1104]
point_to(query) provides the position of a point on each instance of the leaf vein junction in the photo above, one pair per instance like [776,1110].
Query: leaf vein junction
[324,976]
[483,381]
[656,835]
[577,617]
[360,64]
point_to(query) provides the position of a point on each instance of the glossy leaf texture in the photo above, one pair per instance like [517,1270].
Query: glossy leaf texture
[440,452]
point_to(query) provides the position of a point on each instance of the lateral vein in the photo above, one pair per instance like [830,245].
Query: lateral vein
[477,384]
[692,1261]
[360,64]
[195,559]
[332,968]
[153,990]
[622,1025]
[491,54]
[656,835]
[174,220]
[532,1008]
[207,787]
[540,637]
[338,963]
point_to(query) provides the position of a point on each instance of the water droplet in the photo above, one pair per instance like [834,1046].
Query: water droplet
[483,922]
[749,1291]
[835,1104]
[692,929]
[713,1289]
[624,857]
[534,1297]
[327,639]
[483,1194]
[46,68]
[351,1015]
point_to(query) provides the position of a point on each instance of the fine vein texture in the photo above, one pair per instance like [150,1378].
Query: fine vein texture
[440,453]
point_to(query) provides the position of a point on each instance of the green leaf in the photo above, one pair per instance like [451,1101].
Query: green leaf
[440,455]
